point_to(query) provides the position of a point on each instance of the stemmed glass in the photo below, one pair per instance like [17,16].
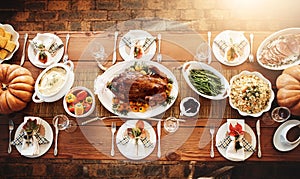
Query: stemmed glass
[99,54]
[202,52]
[63,123]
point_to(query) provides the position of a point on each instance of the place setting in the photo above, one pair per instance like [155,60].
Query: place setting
[235,140]
[33,137]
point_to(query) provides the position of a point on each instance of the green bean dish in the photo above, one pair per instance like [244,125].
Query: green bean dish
[206,82]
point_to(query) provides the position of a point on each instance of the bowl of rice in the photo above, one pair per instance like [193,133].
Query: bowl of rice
[250,93]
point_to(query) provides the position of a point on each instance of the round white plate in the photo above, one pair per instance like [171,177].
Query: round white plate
[55,59]
[236,37]
[106,96]
[14,38]
[131,150]
[199,65]
[221,134]
[135,35]
[48,135]
[272,37]
[276,137]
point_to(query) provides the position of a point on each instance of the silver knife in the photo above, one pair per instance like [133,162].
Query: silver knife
[258,138]
[158,139]
[115,46]
[208,41]
[24,49]
[56,136]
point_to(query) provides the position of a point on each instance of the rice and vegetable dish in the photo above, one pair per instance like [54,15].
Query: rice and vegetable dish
[250,94]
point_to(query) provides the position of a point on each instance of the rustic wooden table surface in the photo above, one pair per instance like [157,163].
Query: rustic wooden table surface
[192,140]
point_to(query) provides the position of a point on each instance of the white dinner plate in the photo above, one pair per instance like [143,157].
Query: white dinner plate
[199,65]
[221,134]
[133,150]
[272,37]
[235,37]
[14,38]
[276,138]
[55,59]
[135,35]
[48,135]
[106,96]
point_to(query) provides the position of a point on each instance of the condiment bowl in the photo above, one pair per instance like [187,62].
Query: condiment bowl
[189,106]
[79,102]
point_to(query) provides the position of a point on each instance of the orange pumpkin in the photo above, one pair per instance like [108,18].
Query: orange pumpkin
[288,85]
[16,88]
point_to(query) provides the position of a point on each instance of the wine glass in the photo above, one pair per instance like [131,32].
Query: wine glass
[63,123]
[202,52]
[98,52]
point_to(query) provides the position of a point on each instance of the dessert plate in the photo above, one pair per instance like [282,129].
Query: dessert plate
[221,134]
[45,38]
[230,38]
[48,135]
[135,150]
[137,35]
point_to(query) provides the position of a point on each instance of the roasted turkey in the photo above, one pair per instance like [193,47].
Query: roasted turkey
[137,86]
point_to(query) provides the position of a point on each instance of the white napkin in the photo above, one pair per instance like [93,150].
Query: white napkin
[100,85]
[46,42]
[231,152]
[33,147]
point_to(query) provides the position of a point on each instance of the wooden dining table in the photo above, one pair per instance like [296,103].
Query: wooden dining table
[192,141]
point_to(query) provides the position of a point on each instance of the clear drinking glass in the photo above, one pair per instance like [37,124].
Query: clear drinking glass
[63,123]
[280,114]
[202,52]
[98,52]
[171,124]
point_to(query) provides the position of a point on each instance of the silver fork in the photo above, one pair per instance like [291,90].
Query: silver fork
[212,131]
[10,128]
[251,57]
[113,130]
[66,56]
[159,56]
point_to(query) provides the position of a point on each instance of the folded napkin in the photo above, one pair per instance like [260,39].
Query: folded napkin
[145,140]
[145,46]
[30,145]
[223,45]
[49,44]
[19,139]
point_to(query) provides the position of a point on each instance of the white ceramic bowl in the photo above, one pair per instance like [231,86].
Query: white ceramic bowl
[74,91]
[40,96]
[189,111]
[14,38]
[261,77]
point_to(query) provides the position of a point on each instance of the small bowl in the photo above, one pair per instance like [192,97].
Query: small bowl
[189,106]
[82,107]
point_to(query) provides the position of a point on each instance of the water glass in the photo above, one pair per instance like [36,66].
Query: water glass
[62,121]
[98,52]
[202,51]
[280,114]
[171,124]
